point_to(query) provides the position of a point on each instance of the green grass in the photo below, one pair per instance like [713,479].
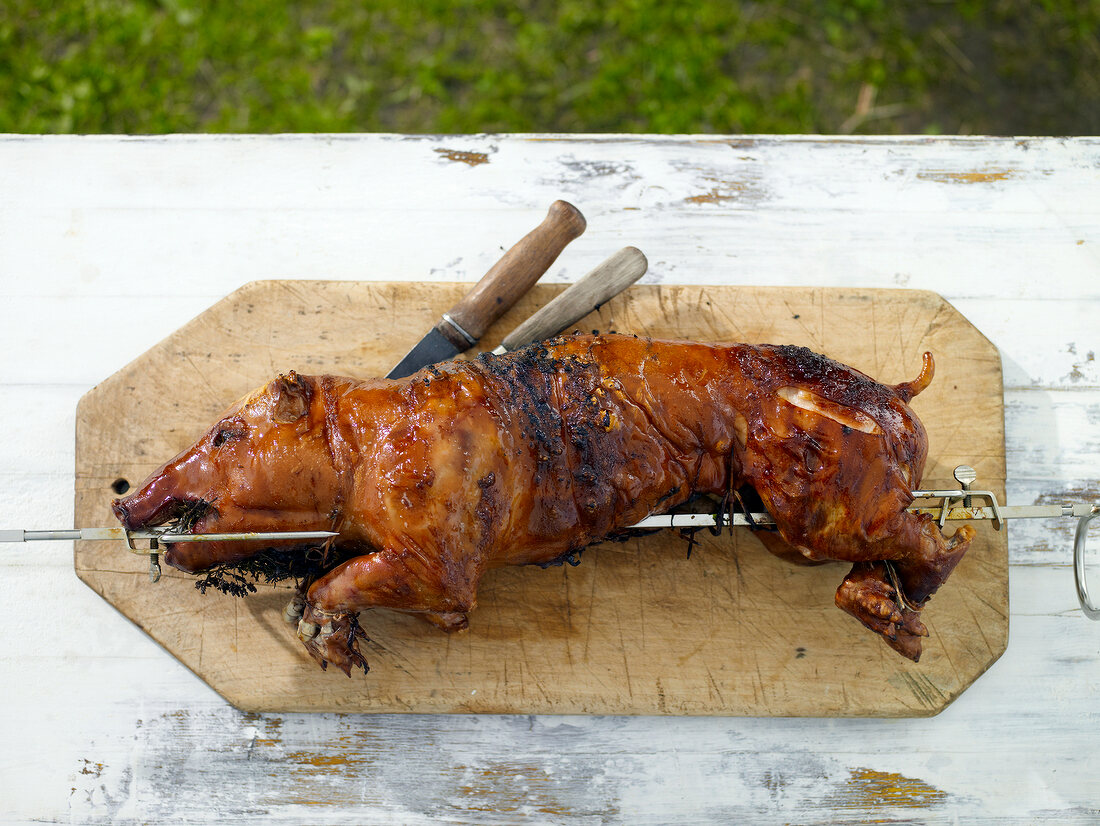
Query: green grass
[997,67]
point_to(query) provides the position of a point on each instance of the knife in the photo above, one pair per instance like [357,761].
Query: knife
[594,288]
[513,275]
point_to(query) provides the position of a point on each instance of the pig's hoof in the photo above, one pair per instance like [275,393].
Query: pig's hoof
[294,609]
[868,596]
[332,639]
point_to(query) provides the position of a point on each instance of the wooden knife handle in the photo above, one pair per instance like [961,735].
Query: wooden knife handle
[512,276]
[604,282]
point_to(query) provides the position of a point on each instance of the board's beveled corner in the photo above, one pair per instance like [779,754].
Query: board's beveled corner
[953,694]
[253,288]
[936,298]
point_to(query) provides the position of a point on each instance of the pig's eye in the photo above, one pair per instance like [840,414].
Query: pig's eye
[227,433]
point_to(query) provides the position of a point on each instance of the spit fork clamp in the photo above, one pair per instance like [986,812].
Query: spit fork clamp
[958,505]
[953,505]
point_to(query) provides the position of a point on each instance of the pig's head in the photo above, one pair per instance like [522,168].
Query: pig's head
[264,466]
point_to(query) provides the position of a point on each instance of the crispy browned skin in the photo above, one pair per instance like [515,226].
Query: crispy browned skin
[527,457]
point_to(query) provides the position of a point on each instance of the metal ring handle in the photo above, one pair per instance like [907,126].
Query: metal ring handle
[1090,610]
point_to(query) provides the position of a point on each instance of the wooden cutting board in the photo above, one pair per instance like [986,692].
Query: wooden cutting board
[638,627]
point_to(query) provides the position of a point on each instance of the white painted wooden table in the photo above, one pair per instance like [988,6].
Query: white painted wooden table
[107,244]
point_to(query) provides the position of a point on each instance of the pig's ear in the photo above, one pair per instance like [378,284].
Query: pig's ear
[292,394]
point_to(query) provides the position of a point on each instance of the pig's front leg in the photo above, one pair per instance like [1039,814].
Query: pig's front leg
[401,581]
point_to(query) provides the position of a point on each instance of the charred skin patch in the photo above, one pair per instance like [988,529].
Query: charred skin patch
[831,379]
[564,417]
[488,509]
[774,366]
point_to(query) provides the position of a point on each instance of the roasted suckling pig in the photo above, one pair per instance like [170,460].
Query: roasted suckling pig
[529,457]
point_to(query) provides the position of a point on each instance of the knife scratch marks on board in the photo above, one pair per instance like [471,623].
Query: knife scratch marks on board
[947,654]
[758,684]
[626,667]
[533,675]
[919,691]
[942,316]
[915,329]
[187,356]
[589,609]
[978,624]
[980,597]
[874,340]
[568,617]
[714,687]
[681,660]
[714,306]
[812,334]
[661,704]
[736,557]
[202,636]
[922,688]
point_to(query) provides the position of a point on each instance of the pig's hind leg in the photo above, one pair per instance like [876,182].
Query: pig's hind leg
[887,592]
[900,558]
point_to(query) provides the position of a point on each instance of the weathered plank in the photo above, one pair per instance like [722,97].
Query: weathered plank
[951,217]
[175,750]
[109,243]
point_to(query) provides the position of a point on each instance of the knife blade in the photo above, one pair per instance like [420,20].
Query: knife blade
[513,275]
[599,285]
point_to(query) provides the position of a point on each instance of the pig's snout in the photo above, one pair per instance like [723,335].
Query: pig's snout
[157,502]
[175,490]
